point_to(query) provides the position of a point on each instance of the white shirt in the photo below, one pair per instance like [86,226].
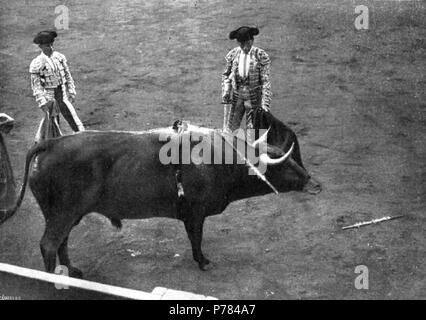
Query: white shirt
[51,62]
[244,63]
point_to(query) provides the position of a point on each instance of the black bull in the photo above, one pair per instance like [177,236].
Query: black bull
[119,175]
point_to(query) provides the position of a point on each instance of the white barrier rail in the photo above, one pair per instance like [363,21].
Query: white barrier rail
[158,293]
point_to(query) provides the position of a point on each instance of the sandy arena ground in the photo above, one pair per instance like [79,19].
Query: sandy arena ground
[356,99]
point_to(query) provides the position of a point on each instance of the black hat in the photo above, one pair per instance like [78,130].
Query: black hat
[44,37]
[244,33]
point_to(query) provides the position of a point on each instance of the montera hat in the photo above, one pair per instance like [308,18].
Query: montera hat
[244,33]
[44,37]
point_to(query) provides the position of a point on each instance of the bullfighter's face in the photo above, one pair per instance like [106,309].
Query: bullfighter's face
[47,48]
[246,45]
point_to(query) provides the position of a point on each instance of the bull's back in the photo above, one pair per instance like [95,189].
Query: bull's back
[119,174]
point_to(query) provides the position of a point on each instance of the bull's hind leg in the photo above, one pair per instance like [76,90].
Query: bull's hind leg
[194,228]
[55,238]
[50,241]
[65,260]
[49,246]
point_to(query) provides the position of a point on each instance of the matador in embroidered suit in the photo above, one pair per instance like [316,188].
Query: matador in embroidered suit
[53,85]
[245,80]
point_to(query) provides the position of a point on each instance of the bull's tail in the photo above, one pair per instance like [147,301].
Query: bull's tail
[5,214]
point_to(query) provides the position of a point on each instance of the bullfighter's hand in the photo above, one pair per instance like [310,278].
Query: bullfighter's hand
[226,97]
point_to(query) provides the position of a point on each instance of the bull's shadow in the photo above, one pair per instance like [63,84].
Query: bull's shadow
[121,176]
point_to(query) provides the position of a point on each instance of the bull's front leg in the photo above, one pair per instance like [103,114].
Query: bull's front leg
[194,229]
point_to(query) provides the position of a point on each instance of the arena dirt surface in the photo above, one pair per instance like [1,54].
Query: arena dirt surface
[356,99]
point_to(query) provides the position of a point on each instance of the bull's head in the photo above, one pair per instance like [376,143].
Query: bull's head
[282,136]
[283,172]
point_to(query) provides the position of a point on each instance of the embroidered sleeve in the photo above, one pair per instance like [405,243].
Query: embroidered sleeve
[36,83]
[70,81]
[265,66]
[226,81]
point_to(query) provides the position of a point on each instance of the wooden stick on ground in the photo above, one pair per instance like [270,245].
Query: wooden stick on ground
[365,223]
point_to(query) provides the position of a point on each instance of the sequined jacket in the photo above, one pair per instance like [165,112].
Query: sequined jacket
[258,77]
[44,78]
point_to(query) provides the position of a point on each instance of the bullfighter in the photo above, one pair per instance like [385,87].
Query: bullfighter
[246,82]
[53,85]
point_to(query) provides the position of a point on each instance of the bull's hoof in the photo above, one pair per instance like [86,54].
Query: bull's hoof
[75,273]
[203,264]
[312,187]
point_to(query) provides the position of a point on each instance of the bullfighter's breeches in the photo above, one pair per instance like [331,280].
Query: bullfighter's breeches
[243,105]
[68,111]
[65,108]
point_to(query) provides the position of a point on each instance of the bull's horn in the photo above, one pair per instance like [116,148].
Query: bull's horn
[264,158]
[262,139]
